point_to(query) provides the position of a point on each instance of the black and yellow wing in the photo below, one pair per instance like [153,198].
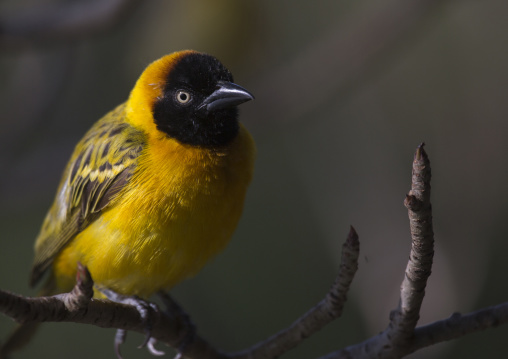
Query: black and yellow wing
[101,165]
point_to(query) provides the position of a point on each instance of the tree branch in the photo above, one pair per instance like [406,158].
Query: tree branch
[104,314]
[78,306]
[173,326]
[396,340]
[401,338]
[452,328]
[419,267]
[459,325]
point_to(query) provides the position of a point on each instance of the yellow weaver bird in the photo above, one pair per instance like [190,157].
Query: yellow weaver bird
[156,187]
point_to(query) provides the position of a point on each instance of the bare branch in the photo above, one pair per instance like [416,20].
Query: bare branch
[459,325]
[397,339]
[452,328]
[400,338]
[167,328]
[174,327]
[419,267]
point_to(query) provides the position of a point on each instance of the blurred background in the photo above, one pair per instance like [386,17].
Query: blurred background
[345,91]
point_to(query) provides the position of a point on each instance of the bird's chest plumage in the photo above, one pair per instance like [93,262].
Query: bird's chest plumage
[179,209]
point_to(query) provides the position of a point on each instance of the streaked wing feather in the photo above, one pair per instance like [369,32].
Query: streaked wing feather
[100,167]
[113,189]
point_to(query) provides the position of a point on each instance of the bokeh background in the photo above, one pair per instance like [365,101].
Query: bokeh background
[345,91]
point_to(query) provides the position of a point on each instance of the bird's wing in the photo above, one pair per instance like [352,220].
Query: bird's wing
[101,165]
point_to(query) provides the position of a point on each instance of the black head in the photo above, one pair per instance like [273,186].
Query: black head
[198,106]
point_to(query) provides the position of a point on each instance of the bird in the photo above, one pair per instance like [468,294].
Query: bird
[155,188]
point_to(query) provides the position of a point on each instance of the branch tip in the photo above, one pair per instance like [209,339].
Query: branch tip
[82,292]
[83,276]
[420,152]
[352,237]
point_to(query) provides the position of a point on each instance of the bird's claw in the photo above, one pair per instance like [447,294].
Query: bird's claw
[144,308]
[151,348]
[119,340]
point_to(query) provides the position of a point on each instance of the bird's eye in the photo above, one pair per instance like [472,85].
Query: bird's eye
[183,97]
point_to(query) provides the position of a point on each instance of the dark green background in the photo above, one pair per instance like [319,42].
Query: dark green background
[339,155]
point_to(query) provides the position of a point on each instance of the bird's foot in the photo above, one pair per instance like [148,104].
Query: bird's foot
[144,308]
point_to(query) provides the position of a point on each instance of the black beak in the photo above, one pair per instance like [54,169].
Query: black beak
[226,95]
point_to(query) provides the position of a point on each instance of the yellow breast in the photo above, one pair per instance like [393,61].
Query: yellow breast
[179,209]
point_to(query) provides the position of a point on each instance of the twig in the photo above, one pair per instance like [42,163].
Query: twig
[459,325]
[419,266]
[397,339]
[401,338]
[174,328]
[102,313]
[452,328]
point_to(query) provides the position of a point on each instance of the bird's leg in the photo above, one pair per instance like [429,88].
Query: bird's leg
[143,307]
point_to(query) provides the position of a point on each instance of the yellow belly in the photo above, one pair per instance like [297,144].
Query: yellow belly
[166,223]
